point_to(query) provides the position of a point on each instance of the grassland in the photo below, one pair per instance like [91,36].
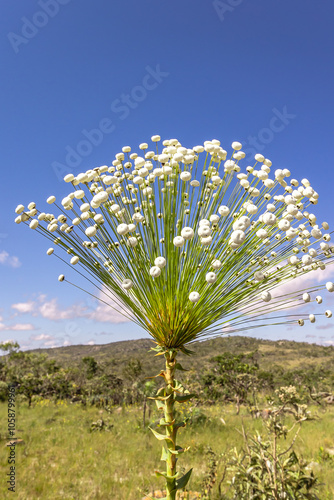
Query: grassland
[284,354]
[62,459]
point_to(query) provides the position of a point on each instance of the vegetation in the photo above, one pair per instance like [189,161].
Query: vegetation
[70,416]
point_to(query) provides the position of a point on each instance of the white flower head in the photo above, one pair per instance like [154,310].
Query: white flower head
[330,286]
[122,229]
[194,297]
[187,233]
[211,277]
[155,271]
[160,262]
[178,241]
[266,296]
[127,284]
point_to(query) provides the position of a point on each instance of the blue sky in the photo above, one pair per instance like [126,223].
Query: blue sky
[259,72]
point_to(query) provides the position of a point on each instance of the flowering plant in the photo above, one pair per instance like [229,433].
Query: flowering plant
[188,245]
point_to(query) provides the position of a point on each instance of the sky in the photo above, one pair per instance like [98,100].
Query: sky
[82,79]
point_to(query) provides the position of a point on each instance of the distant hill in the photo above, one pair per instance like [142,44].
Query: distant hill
[282,353]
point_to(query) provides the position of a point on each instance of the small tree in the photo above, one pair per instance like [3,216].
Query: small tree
[267,470]
[233,378]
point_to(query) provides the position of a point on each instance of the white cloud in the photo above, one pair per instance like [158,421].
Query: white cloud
[41,337]
[17,326]
[9,260]
[24,307]
[308,280]
[51,310]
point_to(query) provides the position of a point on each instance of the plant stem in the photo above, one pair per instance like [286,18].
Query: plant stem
[171,430]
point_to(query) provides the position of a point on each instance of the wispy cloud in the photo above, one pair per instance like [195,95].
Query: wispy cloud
[9,260]
[307,280]
[51,310]
[328,326]
[43,336]
[17,327]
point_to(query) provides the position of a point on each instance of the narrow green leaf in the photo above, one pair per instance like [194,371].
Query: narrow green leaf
[166,424]
[182,482]
[164,455]
[166,476]
[185,397]
[161,437]
[178,366]
[178,450]
[160,405]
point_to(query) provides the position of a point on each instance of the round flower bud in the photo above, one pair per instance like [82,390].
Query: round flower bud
[328,313]
[90,231]
[122,229]
[195,183]
[223,210]
[330,286]
[204,231]
[132,241]
[61,277]
[307,260]
[261,233]
[266,296]
[185,176]
[19,209]
[50,251]
[325,225]
[51,200]
[34,224]
[155,271]
[206,240]
[284,224]
[85,207]
[269,219]
[187,233]
[301,322]
[127,284]
[216,264]
[306,297]
[160,262]
[258,276]
[178,241]
[214,218]
[155,138]
[211,277]
[194,297]
[318,299]
[74,260]
[312,318]
[238,237]
[236,145]
[259,158]
[69,178]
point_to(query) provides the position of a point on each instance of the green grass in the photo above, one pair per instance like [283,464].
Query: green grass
[61,459]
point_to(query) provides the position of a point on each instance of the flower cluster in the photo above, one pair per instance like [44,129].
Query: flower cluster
[184,239]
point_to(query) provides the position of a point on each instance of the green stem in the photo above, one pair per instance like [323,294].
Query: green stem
[171,430]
